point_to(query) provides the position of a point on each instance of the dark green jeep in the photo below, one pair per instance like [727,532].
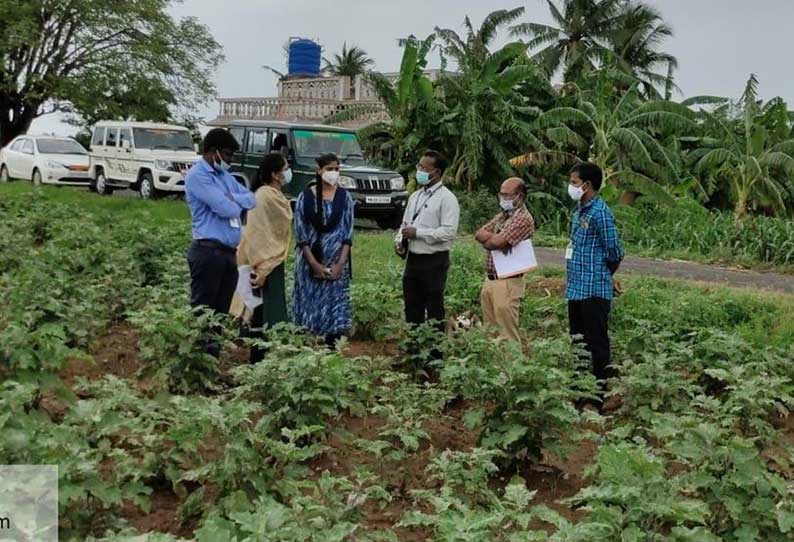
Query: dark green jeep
[378,194]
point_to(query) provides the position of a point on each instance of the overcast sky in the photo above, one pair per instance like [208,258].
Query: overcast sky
[718,42]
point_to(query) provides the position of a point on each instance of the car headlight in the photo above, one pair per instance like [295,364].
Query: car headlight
[52,164]
[347,183]
[164,165]
[397,183]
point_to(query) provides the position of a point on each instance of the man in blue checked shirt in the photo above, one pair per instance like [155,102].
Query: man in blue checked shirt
[592,258]
[217,203]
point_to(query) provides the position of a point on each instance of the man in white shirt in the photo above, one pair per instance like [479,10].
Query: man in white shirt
[429,226]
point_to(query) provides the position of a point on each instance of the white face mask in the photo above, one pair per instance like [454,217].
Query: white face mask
[576,192]
[507,205]
[287,173]
[331,177]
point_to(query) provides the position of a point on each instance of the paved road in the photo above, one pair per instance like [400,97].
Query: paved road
[689,271]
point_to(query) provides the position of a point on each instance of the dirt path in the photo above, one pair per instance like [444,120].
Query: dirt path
[689,271]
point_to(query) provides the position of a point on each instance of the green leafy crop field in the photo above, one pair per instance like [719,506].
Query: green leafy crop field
[156,441]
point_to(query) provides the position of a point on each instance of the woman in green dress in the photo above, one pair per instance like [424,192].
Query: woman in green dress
[265,245]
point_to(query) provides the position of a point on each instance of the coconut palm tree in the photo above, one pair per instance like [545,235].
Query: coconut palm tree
[489,115]
[350,62]
[635,42]
[596,33]
[622,133]
[578,41]
[753,155]
[473,52]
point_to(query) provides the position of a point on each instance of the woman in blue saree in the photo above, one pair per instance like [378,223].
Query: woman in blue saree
[324,234]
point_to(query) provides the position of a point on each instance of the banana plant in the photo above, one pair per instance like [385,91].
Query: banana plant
[752,156]
[492,99]
[629,138]
[411,110]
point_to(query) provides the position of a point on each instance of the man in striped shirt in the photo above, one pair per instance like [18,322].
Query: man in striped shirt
[593,256]
[501,298]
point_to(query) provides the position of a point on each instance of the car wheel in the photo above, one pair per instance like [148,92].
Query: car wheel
[146,187]
[389,222]
[4,177]
[36,177]
[101,184]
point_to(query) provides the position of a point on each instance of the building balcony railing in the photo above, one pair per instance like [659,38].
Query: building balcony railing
[315,99]
[301,109]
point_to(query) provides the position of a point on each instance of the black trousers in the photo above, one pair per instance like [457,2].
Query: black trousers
[424,283]
[213,279]
[589,318]
[213,276]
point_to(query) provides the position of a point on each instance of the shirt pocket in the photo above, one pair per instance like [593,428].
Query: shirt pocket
[580,236]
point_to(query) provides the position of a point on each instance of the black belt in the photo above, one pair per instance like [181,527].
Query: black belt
[433,255]
[212,243]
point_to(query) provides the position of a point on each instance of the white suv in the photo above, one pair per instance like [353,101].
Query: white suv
[149,158]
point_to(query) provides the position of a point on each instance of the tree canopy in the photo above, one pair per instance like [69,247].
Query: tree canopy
[97,58]
[350,62]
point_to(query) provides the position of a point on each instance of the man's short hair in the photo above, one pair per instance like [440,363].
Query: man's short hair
[439,160]
[219,139]
[589,173]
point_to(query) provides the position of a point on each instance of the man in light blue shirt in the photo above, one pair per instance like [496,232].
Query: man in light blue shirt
[217,203]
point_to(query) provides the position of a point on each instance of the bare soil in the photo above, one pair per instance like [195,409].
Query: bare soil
[117,353]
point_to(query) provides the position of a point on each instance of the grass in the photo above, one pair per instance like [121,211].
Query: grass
[156,211]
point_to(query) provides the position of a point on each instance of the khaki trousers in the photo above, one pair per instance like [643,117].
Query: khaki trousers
[501,300]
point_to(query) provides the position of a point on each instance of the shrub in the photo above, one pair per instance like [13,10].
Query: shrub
[173,343]
[689,227]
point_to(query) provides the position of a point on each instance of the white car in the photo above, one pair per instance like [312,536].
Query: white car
[45,160]
[149,158]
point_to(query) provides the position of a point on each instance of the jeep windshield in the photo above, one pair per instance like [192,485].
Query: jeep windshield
[171,140]
[311,143]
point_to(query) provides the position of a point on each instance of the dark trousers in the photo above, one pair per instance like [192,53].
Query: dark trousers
[424,283]
[589,318]
[272,311]
[213,279]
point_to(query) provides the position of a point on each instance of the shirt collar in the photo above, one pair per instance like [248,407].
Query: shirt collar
[202,163]
[432,189]
[584,207]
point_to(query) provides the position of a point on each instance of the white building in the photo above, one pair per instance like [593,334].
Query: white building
[313,99]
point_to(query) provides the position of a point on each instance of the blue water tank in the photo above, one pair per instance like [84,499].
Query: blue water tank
[304,58]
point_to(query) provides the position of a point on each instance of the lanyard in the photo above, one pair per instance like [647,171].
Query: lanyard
[421,208]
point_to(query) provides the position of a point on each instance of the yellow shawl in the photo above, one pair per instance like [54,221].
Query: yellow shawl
[266,239]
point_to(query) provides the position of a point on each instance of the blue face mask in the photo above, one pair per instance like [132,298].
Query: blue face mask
[221,165]
[422,177]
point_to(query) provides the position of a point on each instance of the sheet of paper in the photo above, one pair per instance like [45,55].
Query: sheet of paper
[517,261]
[244,289]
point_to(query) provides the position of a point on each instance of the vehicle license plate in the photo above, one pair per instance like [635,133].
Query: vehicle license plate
[378,199]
